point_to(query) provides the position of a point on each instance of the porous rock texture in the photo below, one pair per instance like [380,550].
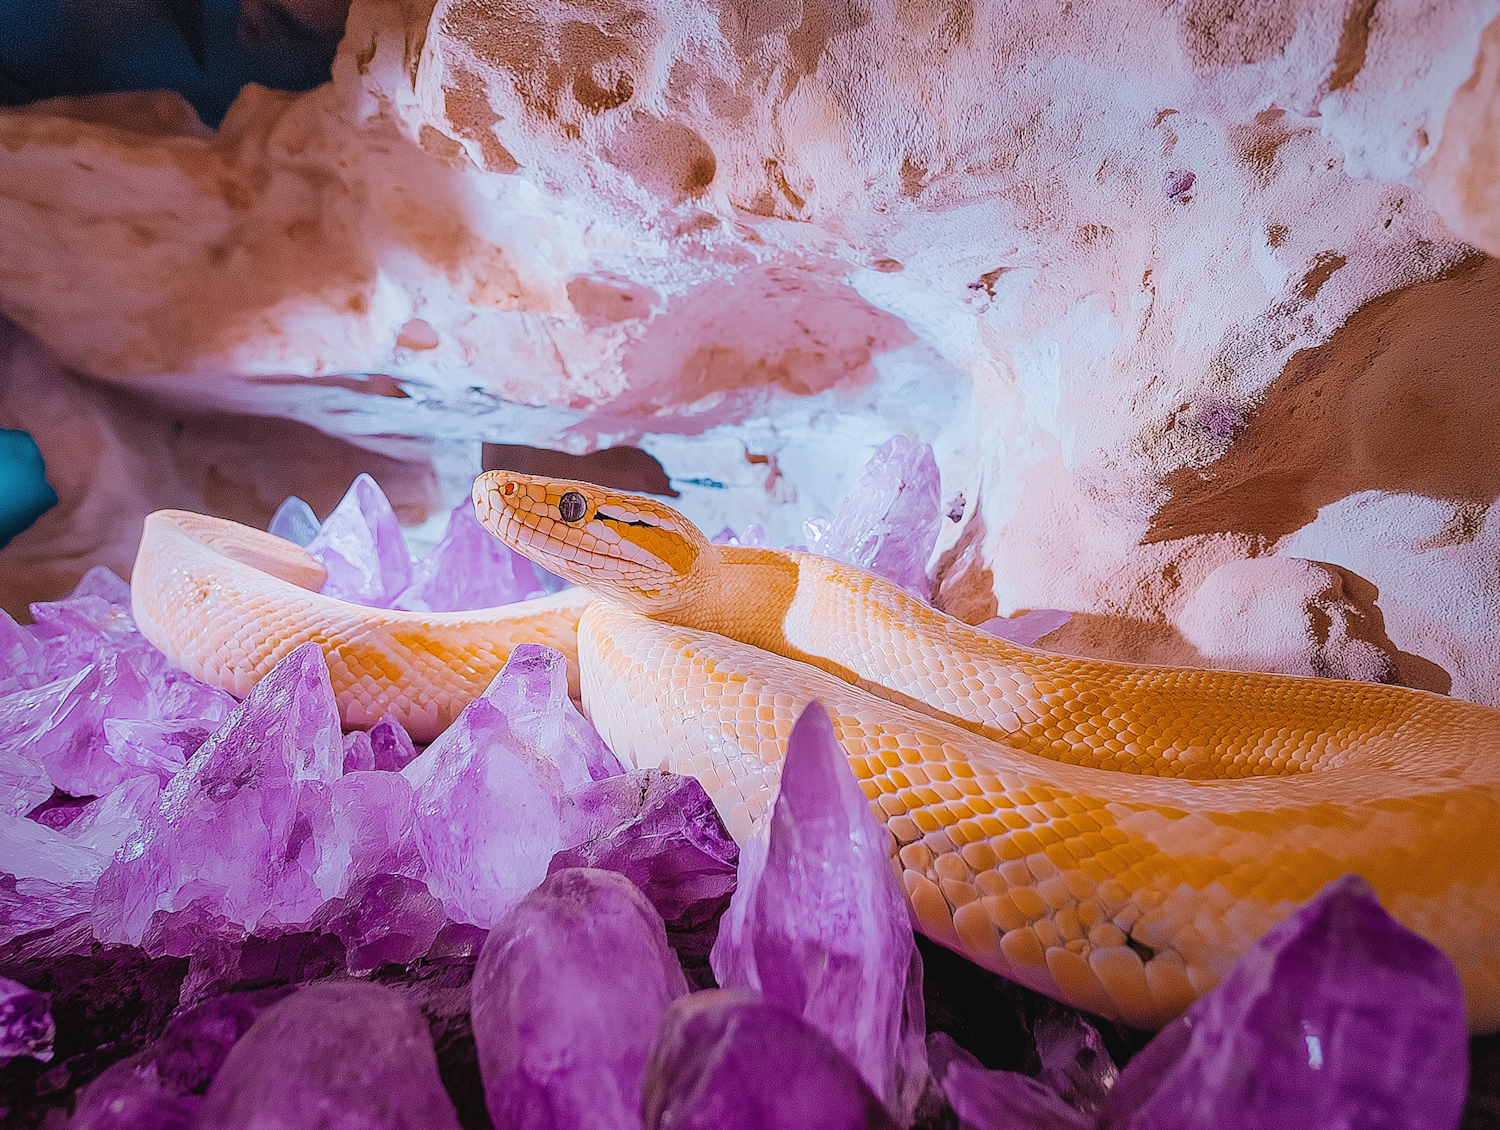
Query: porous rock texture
[1167,286]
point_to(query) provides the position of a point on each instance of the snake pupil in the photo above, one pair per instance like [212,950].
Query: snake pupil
[571,507]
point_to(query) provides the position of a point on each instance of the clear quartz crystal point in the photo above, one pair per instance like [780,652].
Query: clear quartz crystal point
[889,521]
[295,521]
[361,546]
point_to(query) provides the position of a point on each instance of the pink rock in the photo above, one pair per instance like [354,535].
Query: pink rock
[532,692]
[1337,1017]
[662,832]
[819,923]
[468,568]
[487,809]
[361,546]
[370,831]
[229,828]
[1027,628]
[26,1026]
[567,996]
[888,523]
[384,919]
[350,1054]
[731,1060]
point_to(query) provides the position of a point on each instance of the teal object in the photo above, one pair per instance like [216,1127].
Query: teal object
[25,494]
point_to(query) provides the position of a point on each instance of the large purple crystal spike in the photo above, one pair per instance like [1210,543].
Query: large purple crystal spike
[819,924]
[229,828]
[888,523]
[361,546]
[468,568]
[567,996]
[332,1055]
[731,1060]
[1337,1017]
[532,692]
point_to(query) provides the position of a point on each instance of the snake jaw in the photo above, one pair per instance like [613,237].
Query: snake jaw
[635,550]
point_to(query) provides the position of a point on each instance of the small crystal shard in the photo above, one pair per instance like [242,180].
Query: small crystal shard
[229,827]
[662,832]
[370,831]
[361,546]
[295,521]
[391,745]
[531,690]
[1007,1100]
[23,662]
[348,1054]
[819,923]
[468,568]
[1027,628]
[105,824]
[889,521]
[487,811]
[359,754]
[72,745]
[1339,1016]
[567,996]
[156,747]
[730,1060]
[385,919]
[26,1026]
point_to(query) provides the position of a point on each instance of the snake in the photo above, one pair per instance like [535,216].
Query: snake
[1113,835]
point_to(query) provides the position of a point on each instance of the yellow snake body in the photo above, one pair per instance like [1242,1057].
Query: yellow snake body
[1110,834]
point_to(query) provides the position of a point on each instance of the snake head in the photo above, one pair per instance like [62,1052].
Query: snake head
[635,550]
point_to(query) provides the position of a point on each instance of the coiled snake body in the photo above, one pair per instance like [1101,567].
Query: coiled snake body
[1110,834]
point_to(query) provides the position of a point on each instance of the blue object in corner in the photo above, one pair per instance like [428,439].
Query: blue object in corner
[25,494]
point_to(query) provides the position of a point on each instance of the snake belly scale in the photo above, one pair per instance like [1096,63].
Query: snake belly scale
[1110,834]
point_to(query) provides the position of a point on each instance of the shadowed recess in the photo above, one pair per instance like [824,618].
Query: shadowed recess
[619,468]
[25,494]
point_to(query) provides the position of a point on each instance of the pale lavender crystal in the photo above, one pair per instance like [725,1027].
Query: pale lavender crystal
[350,1054]
[71,744]
[31,850]
[1008,1100]
[662,832]
[229,827]
[754,535]
[532,692]
[385,919]
[156,747]
[487,810]
[730,1060]
[1339,1017]
[370,831]
[102,582]
[391,745]
[819,924]
[889,521]
[104,825]
[84,629]
[361,546]
[468,568]
[36,904]
[294,520]
[26,1026]
[359,754]
[23,662]
[567,996]
[1027,628]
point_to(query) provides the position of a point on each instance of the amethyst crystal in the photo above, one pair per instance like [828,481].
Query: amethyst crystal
[487,810]
[23,662]
[26,1026]
[730,1060]
[384,920]
[295,521]
[662,832]
[567,996]
[1006,1100]
[359,754]
[157,747]
[391,745]
[31,850]
[105,824]
[361,546]
[370,831]
[71,743]
[889,521]
[531,690]
[468,568]
[34,904]
[348,1054]
[131,1096]
[1337,1017]
[819,924]
[1027,628]
[229,827]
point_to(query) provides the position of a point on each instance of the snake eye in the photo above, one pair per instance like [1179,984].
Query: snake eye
[508,489]
[571,507]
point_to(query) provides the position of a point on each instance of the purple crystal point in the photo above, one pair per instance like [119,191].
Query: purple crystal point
[567,996]
[104,825]
[819,924]
[531,690]
[229,827]
[359,754]
[730,1060]
[23,661]
[486,813]
[370,831]
[1337,1017]
[31,850]
[1027,628]
[26,1026]
[295,521]
[350,1054]
[1007,1100]
[85,629]
[385,919]
[468,568]
[889,521]
[72,744]
[662,832]
[391,745]
[35,904]
[361,546]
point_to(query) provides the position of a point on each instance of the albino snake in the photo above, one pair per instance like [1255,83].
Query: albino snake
[1113,835]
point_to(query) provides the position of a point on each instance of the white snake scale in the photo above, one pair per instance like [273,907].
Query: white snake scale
[1110,834]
